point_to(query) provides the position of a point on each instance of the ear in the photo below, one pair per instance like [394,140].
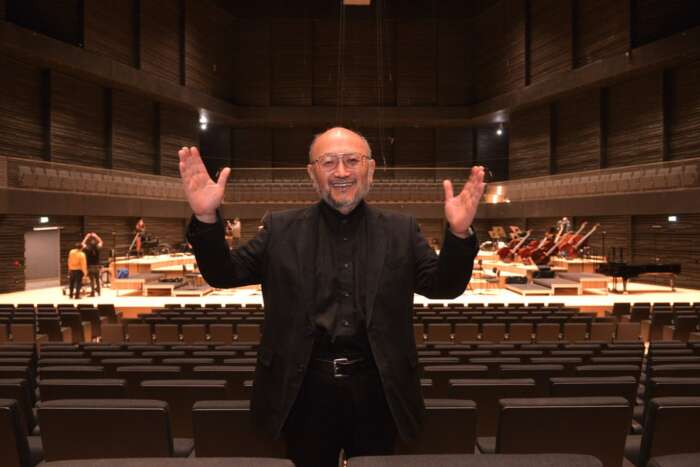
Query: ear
[312,175]
[370,170]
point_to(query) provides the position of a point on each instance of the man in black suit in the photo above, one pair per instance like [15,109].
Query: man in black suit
[337,365]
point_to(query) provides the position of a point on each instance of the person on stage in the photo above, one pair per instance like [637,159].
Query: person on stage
[92,244]
[139,231]
[337,366]
[77,269]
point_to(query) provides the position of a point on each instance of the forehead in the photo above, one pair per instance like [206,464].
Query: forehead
[339,140]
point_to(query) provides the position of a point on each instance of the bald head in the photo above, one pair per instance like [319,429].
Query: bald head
[338,137]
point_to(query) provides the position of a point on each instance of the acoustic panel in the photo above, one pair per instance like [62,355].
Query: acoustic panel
[178,128]
[529,152]
[550,38]
[111,29]
[133,144]
[602,29]
[577,135]
[160,38]
[684,112]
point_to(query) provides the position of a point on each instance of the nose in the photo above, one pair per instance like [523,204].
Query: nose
[341,170]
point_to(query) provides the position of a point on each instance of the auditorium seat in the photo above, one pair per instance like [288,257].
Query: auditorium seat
[107,428]
[521,332]
[16,449]
[486,393]
[187,364]
[595,426]
[628,332]
[167,334]
[168,462]
[52,389]
[539,373]
[221,333]
[493,332]
[442,374]
[139,333]
[194,333]
[547,332]
[618,386]
[112,333]
[181,394]
[608,370]
[134,375]
[23,333]
[234,376]
[676,460]
[465,460]
[449,427]
[21,391]
[223,428]
[670,427]
[466,332]
[602,332]
[77,371]
[439,332]
[574,332]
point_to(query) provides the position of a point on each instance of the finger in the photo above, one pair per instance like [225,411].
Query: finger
[447,186]
[223,177]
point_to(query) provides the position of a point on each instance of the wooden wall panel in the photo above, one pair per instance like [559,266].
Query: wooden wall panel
[577,136]
[529,151]
[134,145]
[12,229]
[292,68]
[499,62]
[160,38]
[602,29]
[252,147]
[654,238]
[492,152]
[21,126]
[78,121]
[454,147]
[454,76]
[635,122]
[111,29]
[656,19]
[251,62]
[215,147]
[550,38]
[291,146]
[415,62]
[208,48]
[684,118]
[614,232]
[414,147]
[170,232]
[325,62]
[539,226]
[381,141]
[59,19]
[178,128]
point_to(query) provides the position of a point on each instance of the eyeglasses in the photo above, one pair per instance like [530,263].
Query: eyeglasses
[351,160]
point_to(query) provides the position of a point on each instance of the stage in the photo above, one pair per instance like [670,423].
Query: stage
[132,305]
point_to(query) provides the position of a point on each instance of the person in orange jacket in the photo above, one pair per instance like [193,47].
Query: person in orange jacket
[77,268]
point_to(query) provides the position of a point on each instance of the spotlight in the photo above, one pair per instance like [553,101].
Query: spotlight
[203,126]
[203,119]
[673,218]
[43,220]
[499,130]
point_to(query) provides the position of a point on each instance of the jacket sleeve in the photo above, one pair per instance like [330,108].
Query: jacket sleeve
[83,263]
[222,267]
[447,275]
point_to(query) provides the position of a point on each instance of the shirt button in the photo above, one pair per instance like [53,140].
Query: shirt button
[345,293]
[300,368]
[346,323]
[346,265]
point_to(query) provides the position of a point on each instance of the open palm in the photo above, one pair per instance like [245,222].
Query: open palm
[461,209]
[203,194]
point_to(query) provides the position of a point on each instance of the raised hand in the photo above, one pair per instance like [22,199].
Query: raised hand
[461,209]
[202,193]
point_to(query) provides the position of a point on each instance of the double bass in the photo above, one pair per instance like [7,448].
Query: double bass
[542,256]
[507,253]
[547,241]
[572,249]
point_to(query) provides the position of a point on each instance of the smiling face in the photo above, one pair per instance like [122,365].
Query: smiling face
[341,187]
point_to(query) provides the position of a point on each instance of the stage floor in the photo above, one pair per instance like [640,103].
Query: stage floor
[638,292]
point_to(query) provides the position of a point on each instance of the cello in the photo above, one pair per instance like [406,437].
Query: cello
[572,249]
[546,242]
[507,253]
[542,256]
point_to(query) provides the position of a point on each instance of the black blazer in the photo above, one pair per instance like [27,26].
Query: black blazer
[281,258]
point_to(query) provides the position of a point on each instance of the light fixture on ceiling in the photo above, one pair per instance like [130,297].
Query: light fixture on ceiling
[499,130]
[203,121]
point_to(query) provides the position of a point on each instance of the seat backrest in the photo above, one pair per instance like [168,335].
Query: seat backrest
[620,386]
[65,372]
[105,428]
[218,422]
[20,390]
[441,374]
[449,427]
[14,450]
[670,427]
[595,426]
[52,389]
[539,373]
[134,375]
[234,375]
[466,460]
[181,396]
[486,393]
[608,370]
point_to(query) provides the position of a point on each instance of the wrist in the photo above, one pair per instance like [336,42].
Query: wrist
[206,218]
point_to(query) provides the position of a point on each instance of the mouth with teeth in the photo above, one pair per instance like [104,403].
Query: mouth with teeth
[342,186]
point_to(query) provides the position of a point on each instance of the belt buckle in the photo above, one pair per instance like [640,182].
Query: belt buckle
[337,365]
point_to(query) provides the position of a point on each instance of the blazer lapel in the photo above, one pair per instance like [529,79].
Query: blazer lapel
[306,237]
[376,250]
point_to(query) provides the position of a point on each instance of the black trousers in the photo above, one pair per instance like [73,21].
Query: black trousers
[332,414]
[75,283]
[94,275]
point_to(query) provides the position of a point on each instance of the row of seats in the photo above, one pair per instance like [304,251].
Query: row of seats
[121,428]
[45,178]
[615,181]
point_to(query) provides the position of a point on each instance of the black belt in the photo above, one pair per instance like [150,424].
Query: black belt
[341,367]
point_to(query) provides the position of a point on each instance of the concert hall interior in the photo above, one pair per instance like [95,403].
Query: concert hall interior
[583,307]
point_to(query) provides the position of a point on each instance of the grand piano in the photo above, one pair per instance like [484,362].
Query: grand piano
[627,271]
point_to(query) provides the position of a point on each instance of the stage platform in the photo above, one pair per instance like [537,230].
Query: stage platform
[132,305]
